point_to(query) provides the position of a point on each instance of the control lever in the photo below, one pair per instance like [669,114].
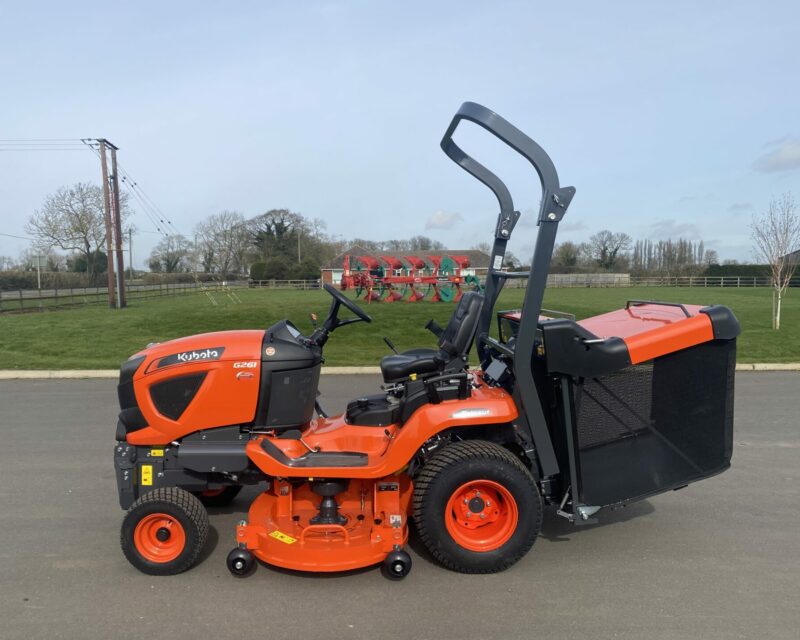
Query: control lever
[390,344]
[434,328]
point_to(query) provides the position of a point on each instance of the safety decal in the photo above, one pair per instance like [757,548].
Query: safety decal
[146,475]
[280,535]
[156,453]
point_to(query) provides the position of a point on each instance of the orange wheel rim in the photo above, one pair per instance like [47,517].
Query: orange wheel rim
[481,515]
[212,493]
[159,537]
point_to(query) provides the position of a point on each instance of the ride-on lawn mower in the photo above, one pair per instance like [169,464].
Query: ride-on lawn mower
[580,415]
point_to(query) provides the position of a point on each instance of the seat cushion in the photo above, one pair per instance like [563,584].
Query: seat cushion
[420,351]
[397,367]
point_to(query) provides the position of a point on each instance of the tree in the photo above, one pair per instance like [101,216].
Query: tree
[605,247]
[72,219]
[710,257]
[42,257]
[277,268]
[307,269]
[276,232]
[170,255]
[566,254]
[222,242]
[97,263]
[511,261]
[776,235]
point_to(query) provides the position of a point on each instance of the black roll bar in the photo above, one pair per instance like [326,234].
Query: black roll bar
[552,207]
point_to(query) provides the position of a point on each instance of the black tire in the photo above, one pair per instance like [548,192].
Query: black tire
[179,508]
[466,462]
[223,499]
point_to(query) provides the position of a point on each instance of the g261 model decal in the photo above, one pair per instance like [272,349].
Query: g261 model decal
[184,357]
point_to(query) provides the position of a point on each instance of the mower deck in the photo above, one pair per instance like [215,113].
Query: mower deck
[284,531]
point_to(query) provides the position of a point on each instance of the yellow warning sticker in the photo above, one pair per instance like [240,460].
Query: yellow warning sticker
[147,475]
[156,453]
[280,535]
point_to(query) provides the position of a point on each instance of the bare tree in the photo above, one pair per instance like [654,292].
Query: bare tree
[43,257]
[170,255]
[710,257]
[223,241]
[605,247]
[72,219]
[776,236]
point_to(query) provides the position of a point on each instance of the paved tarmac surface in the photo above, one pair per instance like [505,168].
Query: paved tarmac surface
[719,559]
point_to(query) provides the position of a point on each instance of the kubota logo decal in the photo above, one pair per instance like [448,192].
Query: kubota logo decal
[213,353]
[188,356]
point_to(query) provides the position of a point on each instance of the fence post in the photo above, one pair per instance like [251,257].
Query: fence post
[738,282]
[21,305]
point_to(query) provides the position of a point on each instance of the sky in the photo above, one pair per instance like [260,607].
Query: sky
[669,118]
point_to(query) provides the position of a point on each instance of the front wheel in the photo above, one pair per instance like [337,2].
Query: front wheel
[476,507]
[164,531]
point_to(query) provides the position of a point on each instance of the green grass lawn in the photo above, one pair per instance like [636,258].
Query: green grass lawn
[99,338]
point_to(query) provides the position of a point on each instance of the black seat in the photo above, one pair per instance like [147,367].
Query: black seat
[454,344]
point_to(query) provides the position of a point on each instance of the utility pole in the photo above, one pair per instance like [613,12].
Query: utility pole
[107,220]
[118,229]
[130,253]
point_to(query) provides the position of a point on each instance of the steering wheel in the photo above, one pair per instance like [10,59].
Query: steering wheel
[340,297]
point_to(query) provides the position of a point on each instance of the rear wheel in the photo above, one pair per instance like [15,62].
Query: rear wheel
[476,507]
[164,531]
[219,497]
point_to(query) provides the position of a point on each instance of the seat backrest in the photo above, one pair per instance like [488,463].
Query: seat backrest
[460,330]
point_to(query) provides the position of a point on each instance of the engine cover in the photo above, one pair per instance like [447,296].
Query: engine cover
[198,382]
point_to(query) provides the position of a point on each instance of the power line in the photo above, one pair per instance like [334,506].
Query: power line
[40,144]
[40,139]
[144,195]
[2,148]
[130,185]
[8,235]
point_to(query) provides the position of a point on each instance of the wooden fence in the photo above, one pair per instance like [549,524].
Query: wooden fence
[46,299]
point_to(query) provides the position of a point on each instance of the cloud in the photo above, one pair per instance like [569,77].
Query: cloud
[671,228]
[776,141]
[443,220]
[785,156]
[740,207]
[569,227]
